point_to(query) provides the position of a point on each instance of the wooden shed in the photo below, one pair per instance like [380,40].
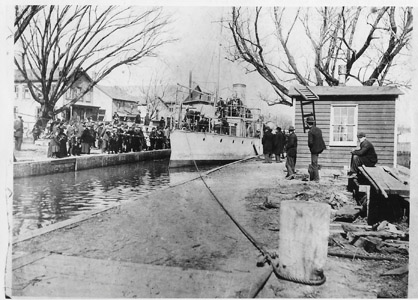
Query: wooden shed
[341,112]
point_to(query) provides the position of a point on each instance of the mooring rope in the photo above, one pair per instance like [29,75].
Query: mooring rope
[268,257]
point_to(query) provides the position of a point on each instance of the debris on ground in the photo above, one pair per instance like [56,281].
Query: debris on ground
[347,213]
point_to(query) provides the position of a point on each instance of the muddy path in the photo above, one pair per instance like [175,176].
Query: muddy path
[183,226]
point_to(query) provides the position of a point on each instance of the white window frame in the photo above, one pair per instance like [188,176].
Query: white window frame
[331,134]
[87,97]
[17,91]
[26,93]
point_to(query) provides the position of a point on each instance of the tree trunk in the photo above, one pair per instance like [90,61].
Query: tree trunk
[46,114]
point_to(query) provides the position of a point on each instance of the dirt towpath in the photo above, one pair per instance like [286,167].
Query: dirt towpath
[177,242]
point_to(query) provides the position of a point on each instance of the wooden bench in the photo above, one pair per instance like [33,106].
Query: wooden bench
[387,194]
[384,181]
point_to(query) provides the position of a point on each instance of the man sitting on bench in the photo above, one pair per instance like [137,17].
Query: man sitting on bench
[366,155]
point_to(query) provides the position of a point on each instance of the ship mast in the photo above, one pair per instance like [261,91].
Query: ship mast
[219,67]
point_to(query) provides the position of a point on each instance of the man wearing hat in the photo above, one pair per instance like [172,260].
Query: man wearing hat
[316,145]
[366,155]
[279,140]
[291,151]
[268,142]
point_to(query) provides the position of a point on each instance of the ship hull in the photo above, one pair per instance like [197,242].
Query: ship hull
[188,147]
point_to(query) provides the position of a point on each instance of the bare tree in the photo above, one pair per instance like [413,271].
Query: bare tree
[362,43]
[155,93]
[250,48]
[62,44]
[23,15]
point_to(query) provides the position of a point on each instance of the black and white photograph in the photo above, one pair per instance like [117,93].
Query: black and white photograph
[227,149]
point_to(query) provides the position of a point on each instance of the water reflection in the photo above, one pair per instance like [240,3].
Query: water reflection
[43,200]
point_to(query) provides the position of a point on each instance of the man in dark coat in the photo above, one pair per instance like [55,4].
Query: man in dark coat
[279,140]
[62,140]
[267,141]
[316,146]
[18,133]
[138,118]
[366,155]
[291,151]
[153,138]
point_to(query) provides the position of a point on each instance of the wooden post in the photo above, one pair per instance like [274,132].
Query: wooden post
[303,239]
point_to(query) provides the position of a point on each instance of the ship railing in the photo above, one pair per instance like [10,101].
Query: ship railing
[217,126]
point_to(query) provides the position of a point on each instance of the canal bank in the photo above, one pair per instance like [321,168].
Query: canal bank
[32,160]
[179,243]
[78,163]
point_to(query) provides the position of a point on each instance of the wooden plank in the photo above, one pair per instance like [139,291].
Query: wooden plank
[386,182]
[381,234]
[393,172]
[393,185]
[374,182]
[398,271]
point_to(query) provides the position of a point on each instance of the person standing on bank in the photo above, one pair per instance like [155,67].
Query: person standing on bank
[268,143]
[18,133]
[279,140]
[316,146]
[365,155]
[291,151]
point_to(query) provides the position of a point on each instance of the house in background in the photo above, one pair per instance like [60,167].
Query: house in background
[114,99]
[24,104]
[343,111]
[100,103]
[160,101]
[30,110]
[86,107]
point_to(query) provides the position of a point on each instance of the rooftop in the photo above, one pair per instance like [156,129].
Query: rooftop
[117,93]
[349,90]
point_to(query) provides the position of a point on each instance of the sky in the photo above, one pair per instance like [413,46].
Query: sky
[200,38]
[197,51]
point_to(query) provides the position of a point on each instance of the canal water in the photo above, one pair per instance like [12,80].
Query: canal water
[43,200]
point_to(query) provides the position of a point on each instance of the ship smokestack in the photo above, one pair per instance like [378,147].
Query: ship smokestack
[239,91]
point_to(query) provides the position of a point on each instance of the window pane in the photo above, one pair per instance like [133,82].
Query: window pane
[350,116]
[343,124]
[337,113]
[344,113]
[343,133]
[350,133]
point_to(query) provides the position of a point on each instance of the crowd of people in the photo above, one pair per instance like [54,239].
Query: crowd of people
[278,143]
[79,137]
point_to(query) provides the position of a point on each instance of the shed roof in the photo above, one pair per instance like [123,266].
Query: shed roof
[349,90]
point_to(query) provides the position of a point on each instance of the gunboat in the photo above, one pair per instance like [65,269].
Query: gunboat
[215,131]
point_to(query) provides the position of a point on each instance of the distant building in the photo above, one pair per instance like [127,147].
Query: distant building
[100,103]
[114,99]
[86,107]
[26,106]
[160,101]
[343,111]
